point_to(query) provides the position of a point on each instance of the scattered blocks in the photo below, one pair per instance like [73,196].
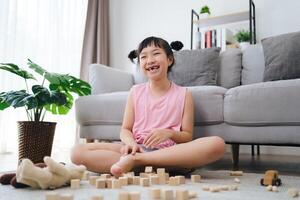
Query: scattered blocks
[148,169]
[154,180]
[161,172]
[236,173]
[174,181]
[115,184]
[108,183]
[293,192]
[136,180]
[105,176]
[100,183]
[92,180]
[75,183]
[145,182]
[214,189]
[182,195]
[196,178]
[181,179]
[123,181]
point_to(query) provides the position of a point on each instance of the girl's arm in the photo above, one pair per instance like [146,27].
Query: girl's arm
[186,133]
[126,135]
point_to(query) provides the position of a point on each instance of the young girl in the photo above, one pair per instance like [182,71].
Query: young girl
[157,128]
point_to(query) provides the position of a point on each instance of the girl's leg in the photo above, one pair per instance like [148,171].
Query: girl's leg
[186,155]
[97,157]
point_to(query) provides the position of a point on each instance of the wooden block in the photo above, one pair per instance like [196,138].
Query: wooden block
[92,180]
[236,173]
[66,196]
[124,196]
[135,195]
[167,194]
[275,189]
[148,169]
[75,183]
[85,175]
[155,193]
[154,180]
[224,187]
[174,181]
[115,184]
[161,172]
[182,194]
[205,188]
[145,182]
[123,181]
[195,178]
[293,192]
[100,183]
[181,179]
[136,180]
[214,189]
[130,180]
[233,187]
[144,175]
[192,195]
[167,176]
[98,197]
[237,180]
[108,183]
[105,176]
[129,174]
[52,196]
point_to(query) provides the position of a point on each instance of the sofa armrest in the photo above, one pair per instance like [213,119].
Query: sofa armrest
[104,79]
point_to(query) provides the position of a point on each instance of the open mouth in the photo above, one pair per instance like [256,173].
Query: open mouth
[153,68]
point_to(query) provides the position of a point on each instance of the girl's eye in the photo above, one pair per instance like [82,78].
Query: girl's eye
[143,57]
[156,53]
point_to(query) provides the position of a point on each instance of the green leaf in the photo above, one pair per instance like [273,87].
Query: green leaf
[19,99]
[3,104]
[42,95]
[59,105]
[16,70]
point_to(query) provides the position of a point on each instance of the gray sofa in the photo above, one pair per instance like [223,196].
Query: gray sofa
[241,108]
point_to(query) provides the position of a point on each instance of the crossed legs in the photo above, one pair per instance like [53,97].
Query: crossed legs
[103,157]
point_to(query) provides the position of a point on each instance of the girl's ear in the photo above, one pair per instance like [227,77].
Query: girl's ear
[170,61]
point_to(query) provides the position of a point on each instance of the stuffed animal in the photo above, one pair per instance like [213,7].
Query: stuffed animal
[53,176]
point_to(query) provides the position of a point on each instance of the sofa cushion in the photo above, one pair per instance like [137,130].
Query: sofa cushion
[282,57]
[253,64]
[263,104]
[208,104]
[229,73]
[102,109]
[195,67]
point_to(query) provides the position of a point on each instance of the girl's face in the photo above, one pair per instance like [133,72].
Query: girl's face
[154,62]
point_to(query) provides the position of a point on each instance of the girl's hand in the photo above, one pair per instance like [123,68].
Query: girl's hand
[156,137]
[127,149]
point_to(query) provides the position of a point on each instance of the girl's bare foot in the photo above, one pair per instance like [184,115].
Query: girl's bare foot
[125,164]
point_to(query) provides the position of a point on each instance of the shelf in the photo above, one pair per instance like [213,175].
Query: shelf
[222,19]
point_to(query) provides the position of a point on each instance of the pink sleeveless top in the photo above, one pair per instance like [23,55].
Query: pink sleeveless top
[153,113]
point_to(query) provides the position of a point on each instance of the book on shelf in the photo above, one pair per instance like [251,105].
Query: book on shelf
[221,37]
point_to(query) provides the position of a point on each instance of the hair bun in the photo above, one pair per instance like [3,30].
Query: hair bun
[132,55]
[176,45]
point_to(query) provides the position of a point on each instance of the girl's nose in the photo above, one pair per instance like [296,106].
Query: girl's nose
[150,60]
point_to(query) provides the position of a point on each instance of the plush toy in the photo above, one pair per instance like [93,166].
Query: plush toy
[53,176]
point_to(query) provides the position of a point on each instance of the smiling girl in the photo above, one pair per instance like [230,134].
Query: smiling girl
[158,122]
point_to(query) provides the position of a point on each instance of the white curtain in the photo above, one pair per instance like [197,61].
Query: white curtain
[50,33]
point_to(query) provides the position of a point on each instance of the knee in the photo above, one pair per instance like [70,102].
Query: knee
[219,146]
[76,154]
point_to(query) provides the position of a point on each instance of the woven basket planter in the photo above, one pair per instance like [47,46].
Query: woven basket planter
[35,140]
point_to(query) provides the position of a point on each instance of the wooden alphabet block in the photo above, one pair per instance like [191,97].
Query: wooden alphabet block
[145,182]
[75,183]
[167,194]
[105,176]
[236,173]
[148,169]
[124,196]
[155,193]
[174,181]
[85,175]
[161,172]
[52,196]
[195,178]
[92,180]
[100,183]
[108,183]
[154,180]
[181,179]
[115,184]
[123,181]
[136,180]
[135,195]
[130,180]
[182,194]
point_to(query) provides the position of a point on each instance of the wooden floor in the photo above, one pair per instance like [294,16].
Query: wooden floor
[285,164]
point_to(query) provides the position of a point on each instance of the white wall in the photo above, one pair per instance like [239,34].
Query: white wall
[133,20]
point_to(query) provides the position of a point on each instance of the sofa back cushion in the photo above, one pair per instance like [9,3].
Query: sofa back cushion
[229,73]
[282,57]
[253,64]
[195,67]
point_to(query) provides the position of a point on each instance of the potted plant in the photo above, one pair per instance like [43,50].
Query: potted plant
[243,37]
[53,95]
[204,12]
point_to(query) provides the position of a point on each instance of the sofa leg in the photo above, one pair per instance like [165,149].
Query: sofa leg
[235,155]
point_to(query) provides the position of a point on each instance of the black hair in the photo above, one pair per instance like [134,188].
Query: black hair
[158,42]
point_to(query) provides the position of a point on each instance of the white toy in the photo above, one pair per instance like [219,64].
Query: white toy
[53,176]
